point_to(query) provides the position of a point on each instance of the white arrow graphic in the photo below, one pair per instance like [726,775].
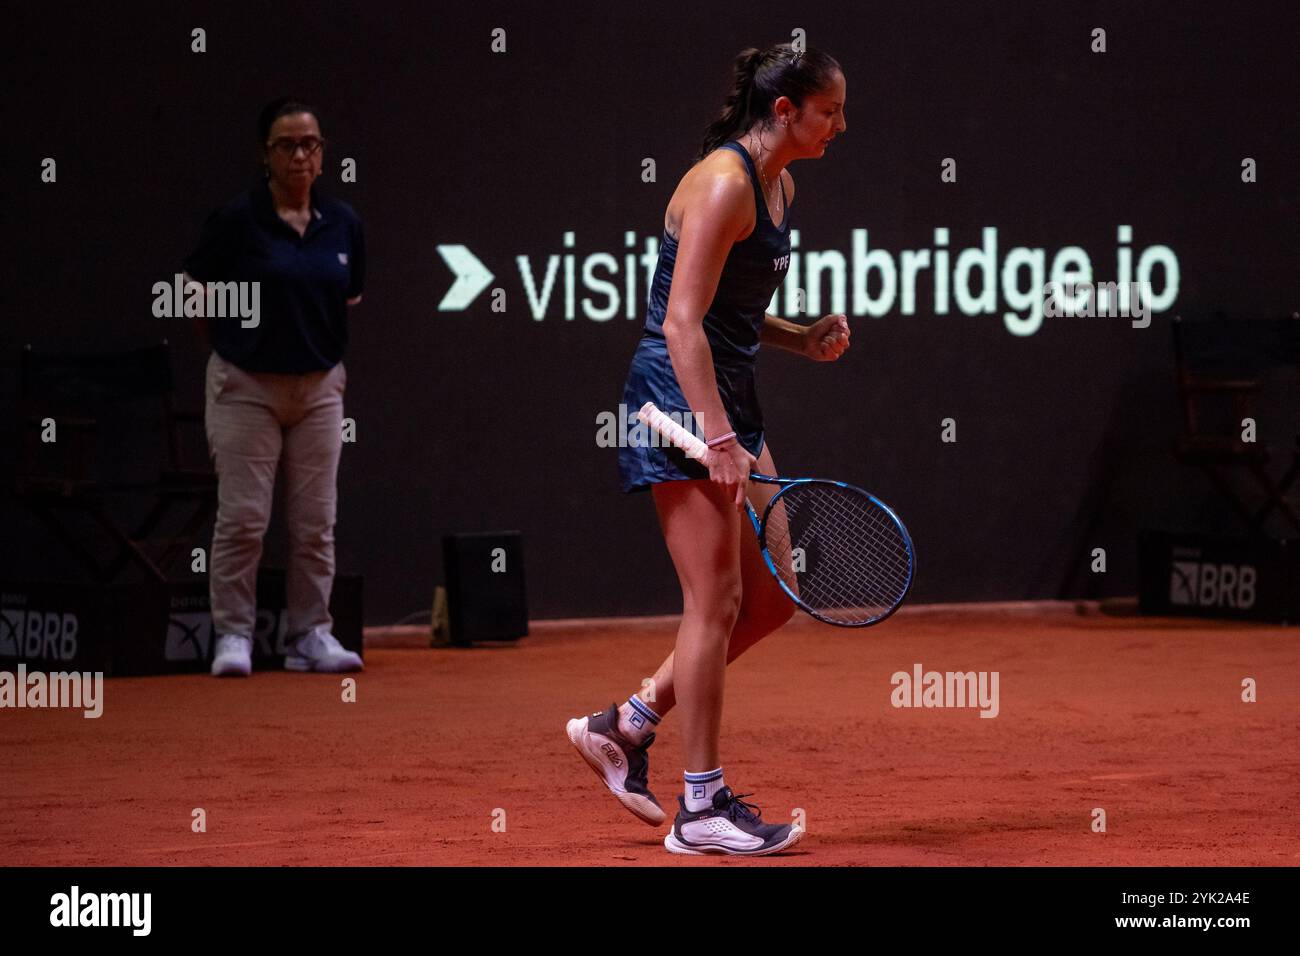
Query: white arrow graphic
[472,277]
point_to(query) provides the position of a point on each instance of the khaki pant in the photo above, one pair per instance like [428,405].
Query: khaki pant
[253,420]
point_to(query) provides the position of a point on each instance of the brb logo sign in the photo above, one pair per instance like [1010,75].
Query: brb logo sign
[190,636]
[1211,584]
[38,635]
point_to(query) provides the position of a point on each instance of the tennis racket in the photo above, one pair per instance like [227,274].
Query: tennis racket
[838,552]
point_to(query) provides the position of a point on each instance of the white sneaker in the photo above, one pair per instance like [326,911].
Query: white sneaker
[233,656]
[625,768]
[729,826]
[319,650]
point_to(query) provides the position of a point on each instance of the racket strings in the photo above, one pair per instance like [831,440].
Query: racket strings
[847,558]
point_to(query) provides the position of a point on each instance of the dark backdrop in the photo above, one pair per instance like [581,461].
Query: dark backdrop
[479,420]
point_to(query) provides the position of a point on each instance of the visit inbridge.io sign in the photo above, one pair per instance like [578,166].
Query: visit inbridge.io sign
[1019,286]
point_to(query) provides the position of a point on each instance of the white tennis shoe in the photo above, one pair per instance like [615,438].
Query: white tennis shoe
[623,766]
[729,826]
[319,650]
[233,656]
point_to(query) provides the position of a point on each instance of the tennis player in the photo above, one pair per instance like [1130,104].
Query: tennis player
[726,249]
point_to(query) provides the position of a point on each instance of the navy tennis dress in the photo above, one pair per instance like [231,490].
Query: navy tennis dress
[754,269]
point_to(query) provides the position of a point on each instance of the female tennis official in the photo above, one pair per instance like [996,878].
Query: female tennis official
[726,249]
[275,388]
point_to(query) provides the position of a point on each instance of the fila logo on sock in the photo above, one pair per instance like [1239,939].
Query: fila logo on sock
[636,720]
[697,791]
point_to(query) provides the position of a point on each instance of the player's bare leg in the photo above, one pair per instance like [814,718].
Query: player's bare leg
[764,607]
[702,530]
[706,539]
[615,743]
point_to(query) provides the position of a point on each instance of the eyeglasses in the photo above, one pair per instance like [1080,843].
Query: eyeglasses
[287,147]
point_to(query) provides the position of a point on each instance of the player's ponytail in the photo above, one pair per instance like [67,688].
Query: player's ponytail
[758,79]
[735,109]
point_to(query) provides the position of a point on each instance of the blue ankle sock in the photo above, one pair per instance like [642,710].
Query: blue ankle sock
[636,721]
[700,788]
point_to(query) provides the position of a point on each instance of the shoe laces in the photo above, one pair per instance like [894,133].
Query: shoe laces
[736,807]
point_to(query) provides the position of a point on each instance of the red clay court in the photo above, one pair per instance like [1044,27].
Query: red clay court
[1140,716]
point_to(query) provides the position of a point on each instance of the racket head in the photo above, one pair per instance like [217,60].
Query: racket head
[856,565]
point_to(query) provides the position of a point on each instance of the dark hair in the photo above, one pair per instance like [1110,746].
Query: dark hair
[284,106]
[758,79]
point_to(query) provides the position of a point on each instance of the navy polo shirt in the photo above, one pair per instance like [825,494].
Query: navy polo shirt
[305,281]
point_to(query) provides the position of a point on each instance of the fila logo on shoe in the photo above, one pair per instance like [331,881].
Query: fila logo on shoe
[611,752]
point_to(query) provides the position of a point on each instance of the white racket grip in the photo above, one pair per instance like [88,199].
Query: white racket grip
[675,433]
